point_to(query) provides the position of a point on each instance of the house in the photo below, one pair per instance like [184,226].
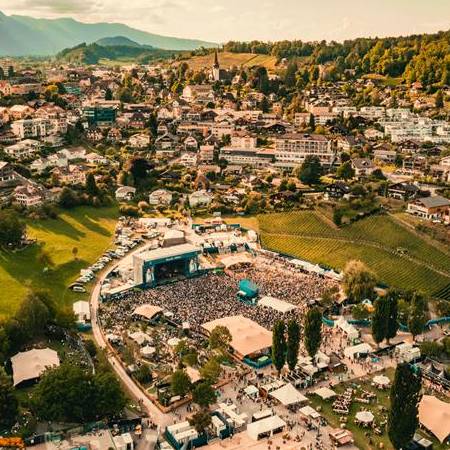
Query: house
[198,92]
[160,197]
[139,140]
[373,134]
[7,174]
[387,156]
[31,128]
[430,208]
[18,112]
[337,190]
[190,143]
[71,174]
[125,193]
[206,153]
[441,171]
[363,167]
[414,164]
[188,160]
[137,121]
[114,135]
[403,191]
[95,158]
[346,143]
[167,144]
[73,153]
[23,149]
[200,198]
[94,134]
[29,195]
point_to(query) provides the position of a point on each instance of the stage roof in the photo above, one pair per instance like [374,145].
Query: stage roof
[148,311]
[276,304]
[30,365]
[288,395]
[434,415]
[247,336]
[167,252]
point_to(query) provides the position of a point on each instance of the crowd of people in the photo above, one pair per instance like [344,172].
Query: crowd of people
[213,296]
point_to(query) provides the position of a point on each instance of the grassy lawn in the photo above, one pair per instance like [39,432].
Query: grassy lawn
[88,229]
[399,256]
[378,407]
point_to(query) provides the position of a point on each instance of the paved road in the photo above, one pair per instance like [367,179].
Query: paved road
[154,413]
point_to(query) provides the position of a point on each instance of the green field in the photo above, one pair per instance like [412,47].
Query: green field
[399,256]
[88,229]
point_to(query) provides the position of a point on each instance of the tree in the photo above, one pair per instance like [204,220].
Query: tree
[439,101]
[278,345]
[312,122]
[33,315]
[358,281]
[311,170]
[108,94]
[220,338]
[204,395]
[201,420]
[338,214]
[345,171]
[65,394]
[211,370]
[418,315]
[4,344]
[293,343]
[289,78]
[180,383]
[109,399]
[380,319]
[68,198]
[313,331]
[392,324]
[74,252]
[12,228]
[8,403]
[360,312]
[91,185]
[405,397]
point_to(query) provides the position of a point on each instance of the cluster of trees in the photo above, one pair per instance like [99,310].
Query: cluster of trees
[385,317]
[286,339]
[358,281]
[72,394]
[12,228]
[36,312]
[423,58]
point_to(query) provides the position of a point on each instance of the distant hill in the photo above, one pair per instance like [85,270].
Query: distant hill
[118,40]
[26,36]
[93,53]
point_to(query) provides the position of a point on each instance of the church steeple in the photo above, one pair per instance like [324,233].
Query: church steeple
[216,60]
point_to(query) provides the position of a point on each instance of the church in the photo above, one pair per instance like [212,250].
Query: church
[218,74]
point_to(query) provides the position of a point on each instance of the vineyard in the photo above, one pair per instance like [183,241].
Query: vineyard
[398,256]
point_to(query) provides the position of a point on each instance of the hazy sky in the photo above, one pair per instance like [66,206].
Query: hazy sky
[223,20]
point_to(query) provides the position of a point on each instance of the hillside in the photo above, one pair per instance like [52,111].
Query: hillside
[93,53]
[118,41]
[228,59]
[24,36]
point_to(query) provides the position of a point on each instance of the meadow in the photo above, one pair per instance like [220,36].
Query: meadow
[89,230]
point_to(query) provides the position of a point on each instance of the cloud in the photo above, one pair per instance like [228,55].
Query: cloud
[57,6]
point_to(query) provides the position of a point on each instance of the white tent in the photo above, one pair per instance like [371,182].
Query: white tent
[325,393]
[364,417]
[147,311]
[288,395]
[82,311]
[147,350]
[309,412]
[350,331]
[264,426]
[381,381]
[276,304]
[251,391]
[30,365]
[355,351]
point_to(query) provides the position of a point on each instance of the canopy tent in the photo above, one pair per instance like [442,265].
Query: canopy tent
[30,365]
[307,411]
[276,304]
[325,393]
[147,350]
[236,260]
[247,337]
[251,391]
[357,350]
[434,415]
[147,311]
[288,395]
[364,417]
[82,311]
[268,425]
[381,381]
[350,331]
[140,337]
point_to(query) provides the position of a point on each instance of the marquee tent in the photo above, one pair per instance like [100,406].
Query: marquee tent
[325,393]
[276,304]
[147,311]
[288,395]
[30,365]
[434,415]
[265,426]
[248,337]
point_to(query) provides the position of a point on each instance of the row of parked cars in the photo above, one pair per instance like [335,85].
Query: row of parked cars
[124,244]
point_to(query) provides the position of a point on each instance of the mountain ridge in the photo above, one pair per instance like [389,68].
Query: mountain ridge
[28,36]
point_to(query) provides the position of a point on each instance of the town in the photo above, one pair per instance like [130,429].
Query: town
[236,246]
